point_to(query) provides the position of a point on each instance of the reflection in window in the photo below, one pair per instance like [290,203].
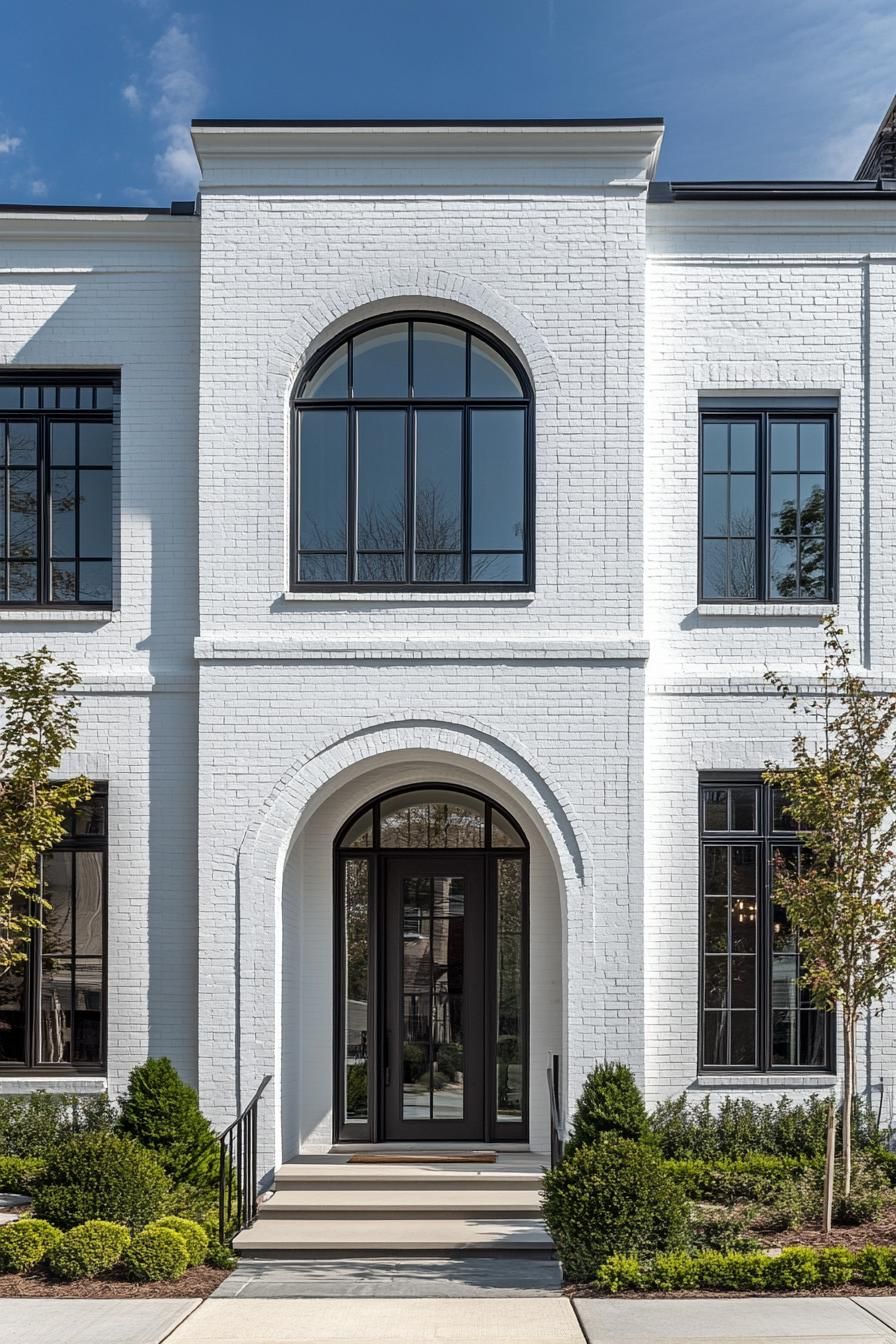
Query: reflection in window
[56,474]
[357,894]
[412,461]
[754,1013]
[509,1045]
[432,819]
[52,1007]
[765,506]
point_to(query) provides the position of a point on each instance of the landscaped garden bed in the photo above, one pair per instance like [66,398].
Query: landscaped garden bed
[123,1199]
[697,1200]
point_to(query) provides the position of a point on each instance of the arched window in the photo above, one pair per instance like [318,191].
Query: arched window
[412,463]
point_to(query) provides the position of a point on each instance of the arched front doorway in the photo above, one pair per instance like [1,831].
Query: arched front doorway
[431,1011]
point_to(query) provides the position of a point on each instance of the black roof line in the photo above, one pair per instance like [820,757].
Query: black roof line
[797,190]
[175,208]
[347,123]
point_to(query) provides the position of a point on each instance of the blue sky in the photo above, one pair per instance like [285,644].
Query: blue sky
[97,95]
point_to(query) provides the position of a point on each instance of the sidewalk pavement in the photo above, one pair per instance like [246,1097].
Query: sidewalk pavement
[91,1320]
[739,1320]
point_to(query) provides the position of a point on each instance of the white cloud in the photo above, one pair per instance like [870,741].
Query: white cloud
[9,143]
[38,187]
[178,85]
[131,95]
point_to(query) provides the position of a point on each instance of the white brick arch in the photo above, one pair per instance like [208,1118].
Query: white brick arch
[468,745]
[436,290]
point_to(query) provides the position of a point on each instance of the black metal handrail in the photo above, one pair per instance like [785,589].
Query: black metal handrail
[238,1177]
[557,1126]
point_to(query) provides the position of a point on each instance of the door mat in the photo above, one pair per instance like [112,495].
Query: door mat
[424,1158]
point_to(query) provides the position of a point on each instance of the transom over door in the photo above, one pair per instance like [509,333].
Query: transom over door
[434,1084]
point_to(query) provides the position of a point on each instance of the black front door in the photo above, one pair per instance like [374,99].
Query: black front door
[434,1010]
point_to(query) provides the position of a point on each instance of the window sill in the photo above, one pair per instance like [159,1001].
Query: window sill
[775,610]
[770,1081]
[86,1084]
[63,615]
[400,595]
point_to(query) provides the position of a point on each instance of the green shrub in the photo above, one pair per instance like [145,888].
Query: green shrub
[885,1161]
[25,1242]
[19,1175]
[610,1104]
[157,1253]
[162,1113]
[876,1266]
[195,1236]
[738,1126]
[620,1274]
[795,1267]
[792,1203]
[450,1059]
[612,1197]
[865,1199]
[754,1177]
[836,1266]
[88,1249]
[32,1125]
[101,1176]
[672,1271]
[356,1090]
[725,1231]
[219,1256]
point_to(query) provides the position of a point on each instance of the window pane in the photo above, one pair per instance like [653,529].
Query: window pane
[323,477]
[22,514]
[89,904]
[88,1005]
[743,1039]
[509,1045]
[715,569]
[432,819]
[498,479]
[22,445]
[94,444]
[783,578]
[10,397]
[784,1038]
[104,398]
[440,568]
[783,505]
[95,516]
[812,569]
[743,809]
[715,1039]
[440,360]
[330,383]
[57,885]
[743,982]
[12,1015]
[22,582]
[743,924]
[813,1039]
[68,398]
[742,568]
[64,581]
[743,870]
[381,568]
[94,581]
[715,870]
[490,374]
[813,446]
[356,971]
[715,506]
[715,446]
[812,504]
[90,816]
[360,836]
[743,506]
[504,834]
[85,398]
[715,809]
[783,446]
[323,568]
[381,481]
[380,362]
[439,436]
[715,924]
[743,446]
[55,1011]
[488,567]
[715,981]
[62,444]
[62,522]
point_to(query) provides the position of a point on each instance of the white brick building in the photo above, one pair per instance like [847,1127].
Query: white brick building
[474,572]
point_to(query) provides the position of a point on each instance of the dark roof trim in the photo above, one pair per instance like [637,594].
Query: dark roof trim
[175,208]
[882,189]
[347,123]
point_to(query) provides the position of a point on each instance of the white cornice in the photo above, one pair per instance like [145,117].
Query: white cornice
[494,158]
[50,226]
[855,227]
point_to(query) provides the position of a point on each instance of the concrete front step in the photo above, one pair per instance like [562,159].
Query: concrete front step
[346,1175]
[430,1201]
[400,1236]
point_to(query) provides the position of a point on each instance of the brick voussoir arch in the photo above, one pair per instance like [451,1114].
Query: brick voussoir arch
[416,288]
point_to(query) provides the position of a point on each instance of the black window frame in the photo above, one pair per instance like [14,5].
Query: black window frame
[33,1065]
[466,404]
[45,417]
[765,838]
[764,413]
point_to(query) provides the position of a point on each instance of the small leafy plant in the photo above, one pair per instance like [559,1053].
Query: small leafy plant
[24,1243]
[88,1249]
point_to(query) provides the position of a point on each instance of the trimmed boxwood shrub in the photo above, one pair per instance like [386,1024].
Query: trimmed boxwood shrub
[836,1266]
[88,1249]
[19,1175]
[195,1236]
[610,1104]
[673,1270]
[620,1274]
[101,1176]
[162,1113]
[756,1176]
[737,1126]
[157,1253]
[612,1197]
[795,1267]
[24,1243]
[32,1125]
[219,1256]
[876,1266]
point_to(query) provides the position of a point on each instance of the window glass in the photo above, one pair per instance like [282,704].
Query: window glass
[490,374]
[322,487]
[380,362]
[355,1056]
[440,360]
[438,535]
[330,383]
[432,819]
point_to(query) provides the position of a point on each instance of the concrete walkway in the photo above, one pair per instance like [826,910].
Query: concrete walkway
[751,1320]
[425,1276]
[91,1320]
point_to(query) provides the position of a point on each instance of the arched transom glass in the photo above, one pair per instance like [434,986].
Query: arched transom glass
[412,461]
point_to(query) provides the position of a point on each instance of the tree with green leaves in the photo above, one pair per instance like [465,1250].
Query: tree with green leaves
[841,794]
[39,726]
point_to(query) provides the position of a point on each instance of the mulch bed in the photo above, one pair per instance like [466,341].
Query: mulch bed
[199,1282]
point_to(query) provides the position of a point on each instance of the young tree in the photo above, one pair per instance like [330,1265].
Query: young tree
[39,725]
[841,792]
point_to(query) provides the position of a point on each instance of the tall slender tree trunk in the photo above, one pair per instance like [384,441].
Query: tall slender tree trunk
[849,1090]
